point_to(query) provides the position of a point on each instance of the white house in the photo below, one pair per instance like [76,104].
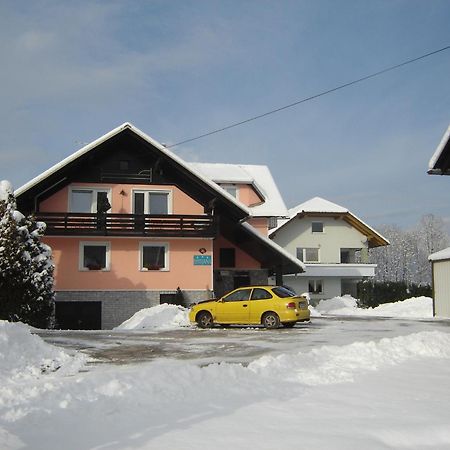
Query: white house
[332,242]
[440,165]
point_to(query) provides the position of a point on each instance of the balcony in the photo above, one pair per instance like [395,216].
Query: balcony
[148,225]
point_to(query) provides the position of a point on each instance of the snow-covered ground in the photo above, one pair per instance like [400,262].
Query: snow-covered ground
[383,393]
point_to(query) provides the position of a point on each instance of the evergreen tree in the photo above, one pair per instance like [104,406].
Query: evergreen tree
[26,268]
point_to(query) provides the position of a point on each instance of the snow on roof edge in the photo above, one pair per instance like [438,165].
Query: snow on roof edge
[437,153]
[440,255]
[144,136]
[275,246]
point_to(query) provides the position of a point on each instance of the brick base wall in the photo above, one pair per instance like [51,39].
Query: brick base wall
[118,306]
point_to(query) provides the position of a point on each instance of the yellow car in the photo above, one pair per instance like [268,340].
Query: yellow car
[270,306]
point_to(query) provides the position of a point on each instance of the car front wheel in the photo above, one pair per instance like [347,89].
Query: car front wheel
[204,320]
[271,320]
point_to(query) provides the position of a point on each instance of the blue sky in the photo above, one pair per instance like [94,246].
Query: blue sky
[71,71]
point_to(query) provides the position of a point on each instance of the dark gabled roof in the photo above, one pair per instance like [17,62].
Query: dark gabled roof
[56,174]
[440,161]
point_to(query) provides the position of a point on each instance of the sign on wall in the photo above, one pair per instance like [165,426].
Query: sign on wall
[202,260]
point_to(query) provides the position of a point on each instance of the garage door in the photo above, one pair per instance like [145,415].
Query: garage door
[78,315]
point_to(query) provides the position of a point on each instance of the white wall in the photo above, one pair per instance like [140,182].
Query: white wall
[331,286]
[441,287]
[336,234]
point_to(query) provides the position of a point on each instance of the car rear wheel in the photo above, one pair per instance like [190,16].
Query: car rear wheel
[270,320]
[204,319]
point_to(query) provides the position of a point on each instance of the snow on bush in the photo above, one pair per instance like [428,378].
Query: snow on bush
[24,355]
[161,317]
[415,307]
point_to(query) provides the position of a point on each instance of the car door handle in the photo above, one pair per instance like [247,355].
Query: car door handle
[244,306]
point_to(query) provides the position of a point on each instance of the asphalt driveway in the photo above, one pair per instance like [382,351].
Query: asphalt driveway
[234,344]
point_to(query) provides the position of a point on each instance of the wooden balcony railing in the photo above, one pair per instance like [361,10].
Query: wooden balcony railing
[172,225]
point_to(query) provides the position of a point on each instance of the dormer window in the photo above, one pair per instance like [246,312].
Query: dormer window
[231,189]
[317,227]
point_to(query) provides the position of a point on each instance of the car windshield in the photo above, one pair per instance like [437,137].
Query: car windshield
[283,292]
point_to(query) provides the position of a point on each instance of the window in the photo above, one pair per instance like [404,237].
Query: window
[306,254]
[151,202]
[238,296]
[231,189]
[273,222]
[87,200]
[315,286]
[94,256]
[261,294]
[154,256]
[124,164]
[227,257]
[317,227]
[284,292]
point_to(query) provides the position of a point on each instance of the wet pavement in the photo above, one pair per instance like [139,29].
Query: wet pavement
[233,344]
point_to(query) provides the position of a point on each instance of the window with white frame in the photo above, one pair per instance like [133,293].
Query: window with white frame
[317,227]
[315,286]
[152,202]
[308,254]
[94,256]
[89,200]
[231,189]
[154,256]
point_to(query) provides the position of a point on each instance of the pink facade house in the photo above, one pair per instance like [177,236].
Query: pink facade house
[132,225]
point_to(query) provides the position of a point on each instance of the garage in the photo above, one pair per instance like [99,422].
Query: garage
[78,315]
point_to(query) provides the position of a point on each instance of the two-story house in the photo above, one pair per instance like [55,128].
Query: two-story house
[132,225]
[332,243]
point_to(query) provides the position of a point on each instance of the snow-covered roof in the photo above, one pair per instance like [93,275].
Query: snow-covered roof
[320,206]
[442,152]
[441,255]
[147,138]
[258,176]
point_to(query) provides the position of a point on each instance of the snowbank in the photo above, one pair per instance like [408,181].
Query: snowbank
[161,317]
[178,404]
[24,356]
[415,307]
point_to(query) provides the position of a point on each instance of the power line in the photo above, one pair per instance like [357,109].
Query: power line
[312,97]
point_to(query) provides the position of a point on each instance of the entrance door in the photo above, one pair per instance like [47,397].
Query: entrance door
[241,279]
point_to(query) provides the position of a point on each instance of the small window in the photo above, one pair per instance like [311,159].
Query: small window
[317,227]
[227,257]
[273,222]
[231,189]
[261,294]
[154,257]
[307,254]
[315,286]
[94,256]
[124,164]
[238,296]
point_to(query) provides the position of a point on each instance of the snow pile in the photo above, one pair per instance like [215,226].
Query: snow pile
[414,307]
[160,317]
[24,356]
[333,364]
